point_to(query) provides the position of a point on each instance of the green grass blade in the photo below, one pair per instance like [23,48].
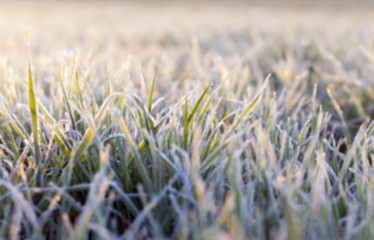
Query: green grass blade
[61,78]
[140,166]
[34,119]
[194,109]
[149,106]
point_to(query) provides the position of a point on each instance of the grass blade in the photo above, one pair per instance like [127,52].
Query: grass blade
[34,119]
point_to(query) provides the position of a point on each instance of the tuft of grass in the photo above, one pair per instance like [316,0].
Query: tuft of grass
[250,132]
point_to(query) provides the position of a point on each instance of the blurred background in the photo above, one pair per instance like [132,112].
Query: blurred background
[114,30]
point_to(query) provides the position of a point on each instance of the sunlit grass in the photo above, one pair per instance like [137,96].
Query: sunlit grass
[257,130]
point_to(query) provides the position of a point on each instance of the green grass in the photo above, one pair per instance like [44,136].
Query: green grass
[240,131]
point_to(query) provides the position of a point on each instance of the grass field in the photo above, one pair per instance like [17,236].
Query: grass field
[204,121]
